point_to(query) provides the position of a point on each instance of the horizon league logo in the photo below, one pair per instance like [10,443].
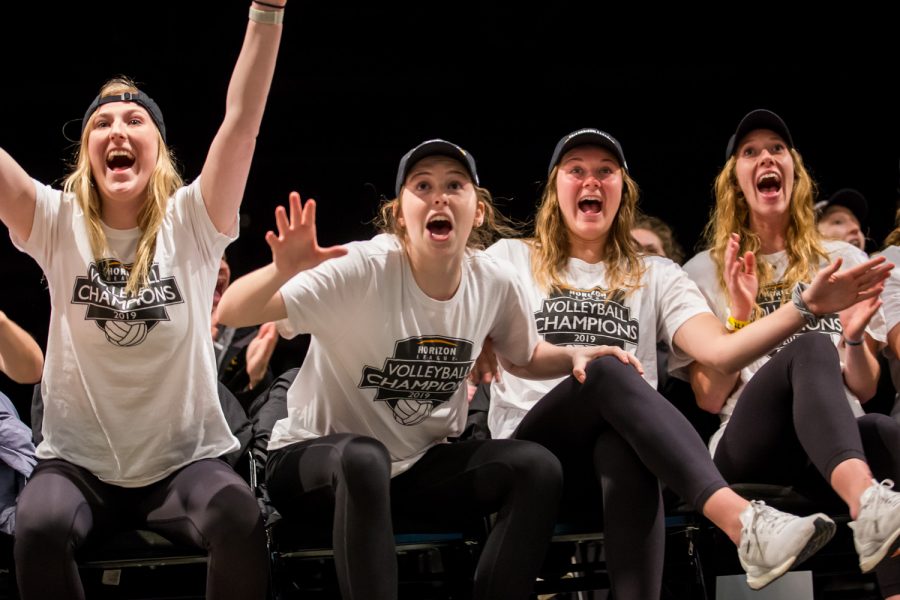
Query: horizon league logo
[125,320]
[424,372]
[587,318]
[769,300]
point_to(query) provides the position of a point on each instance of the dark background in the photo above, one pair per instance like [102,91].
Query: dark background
[356,87]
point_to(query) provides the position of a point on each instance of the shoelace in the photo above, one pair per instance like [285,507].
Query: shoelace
[881,498]
[761,512]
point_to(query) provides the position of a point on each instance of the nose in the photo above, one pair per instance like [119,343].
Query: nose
[441,199]
[592,182]
[117,128]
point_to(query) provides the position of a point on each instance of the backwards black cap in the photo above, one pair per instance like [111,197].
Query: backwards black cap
[139,98]
[431,148]
[587,137]
[758,119]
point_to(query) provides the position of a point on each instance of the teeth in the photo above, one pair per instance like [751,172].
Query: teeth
[769,177]
[438,219]
[117,153]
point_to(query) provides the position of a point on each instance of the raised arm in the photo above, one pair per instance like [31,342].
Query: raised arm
[705,339]
[227,165]
[16,197]
[20,356]
[255,298]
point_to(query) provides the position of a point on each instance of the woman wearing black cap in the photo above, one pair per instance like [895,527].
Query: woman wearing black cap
[396,325]
[587,285]
[790,407]
[132,426]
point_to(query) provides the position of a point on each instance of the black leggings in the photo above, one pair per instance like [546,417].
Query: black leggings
[205,504]
[520,481]
[633,436]
[774,433]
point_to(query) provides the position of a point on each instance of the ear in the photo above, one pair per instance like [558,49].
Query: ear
[398,218]
[479,214]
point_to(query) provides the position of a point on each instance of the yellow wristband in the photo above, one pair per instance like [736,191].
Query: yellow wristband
[735,324]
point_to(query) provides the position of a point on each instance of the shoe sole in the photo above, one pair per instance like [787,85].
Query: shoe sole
[868,563]
[824,531]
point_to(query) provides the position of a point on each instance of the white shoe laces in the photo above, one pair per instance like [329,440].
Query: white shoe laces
[765,517]
[880,499]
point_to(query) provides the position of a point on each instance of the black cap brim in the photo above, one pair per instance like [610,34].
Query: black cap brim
[436,147]
[758,119]
[587,137]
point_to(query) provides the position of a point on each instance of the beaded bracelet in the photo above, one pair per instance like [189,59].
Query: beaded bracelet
[275,6]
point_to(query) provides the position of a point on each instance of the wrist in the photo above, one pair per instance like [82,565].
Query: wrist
[733,323]
[270,14]
[852,342]
[799,299]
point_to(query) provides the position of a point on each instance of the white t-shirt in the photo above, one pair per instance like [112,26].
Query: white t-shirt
[703,271]
[585,313]
[891,307]
[386,360]
[129,385]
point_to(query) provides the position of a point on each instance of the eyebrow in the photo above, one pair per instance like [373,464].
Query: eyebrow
[457,172]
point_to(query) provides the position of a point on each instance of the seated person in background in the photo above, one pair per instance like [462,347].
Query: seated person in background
[654,236]
[22,360]
[243,353]
[891,298]
[842,217]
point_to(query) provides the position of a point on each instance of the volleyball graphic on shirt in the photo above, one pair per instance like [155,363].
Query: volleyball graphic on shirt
[412,412]
[423,373]
[125,319]
[125,333]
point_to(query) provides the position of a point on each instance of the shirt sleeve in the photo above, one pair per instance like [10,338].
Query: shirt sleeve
[319,301]
[190,213]
[514,334]
[42,240]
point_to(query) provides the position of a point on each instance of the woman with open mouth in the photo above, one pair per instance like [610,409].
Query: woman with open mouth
[132,427]
[798,408]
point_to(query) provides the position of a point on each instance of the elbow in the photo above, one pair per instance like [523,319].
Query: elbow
[35,372]
[226,315]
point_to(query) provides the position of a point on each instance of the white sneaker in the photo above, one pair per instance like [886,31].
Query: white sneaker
[877,525]
[773,541]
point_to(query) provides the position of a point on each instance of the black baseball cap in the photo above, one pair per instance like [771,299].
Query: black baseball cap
[851,199]
[139,98]
[435,147]
[758,119]
[587,137]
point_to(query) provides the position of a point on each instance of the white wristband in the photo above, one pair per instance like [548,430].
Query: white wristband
[267,17]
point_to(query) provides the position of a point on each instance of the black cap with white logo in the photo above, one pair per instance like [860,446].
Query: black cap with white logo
[587,137]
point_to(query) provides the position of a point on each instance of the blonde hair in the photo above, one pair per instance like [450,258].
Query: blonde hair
[164,181]
[893,238]
[494,226]
[550,243]
[731,214]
